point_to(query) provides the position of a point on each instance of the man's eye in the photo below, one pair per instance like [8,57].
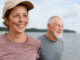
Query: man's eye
[57,25]
[61,26]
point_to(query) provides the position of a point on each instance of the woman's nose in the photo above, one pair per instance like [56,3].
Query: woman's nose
[21,19]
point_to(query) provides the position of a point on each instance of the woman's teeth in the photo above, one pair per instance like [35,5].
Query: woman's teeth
[20,25]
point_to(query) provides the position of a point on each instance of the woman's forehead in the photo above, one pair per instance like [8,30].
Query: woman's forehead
[19,9]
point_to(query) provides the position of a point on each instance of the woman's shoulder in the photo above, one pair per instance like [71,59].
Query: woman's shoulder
[2,39]
[34,41]
[1,36]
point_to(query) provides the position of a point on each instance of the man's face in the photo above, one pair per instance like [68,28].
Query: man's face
[56,28]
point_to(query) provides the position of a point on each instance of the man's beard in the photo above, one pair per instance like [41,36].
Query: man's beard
[58,35]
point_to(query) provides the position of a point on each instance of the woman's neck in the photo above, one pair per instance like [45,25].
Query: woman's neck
[17,37]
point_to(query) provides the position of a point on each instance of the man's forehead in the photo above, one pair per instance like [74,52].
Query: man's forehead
[57,21]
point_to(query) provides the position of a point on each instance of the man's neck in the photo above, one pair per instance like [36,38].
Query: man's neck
[51,37]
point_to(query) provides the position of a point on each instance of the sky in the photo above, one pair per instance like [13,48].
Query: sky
[68,10]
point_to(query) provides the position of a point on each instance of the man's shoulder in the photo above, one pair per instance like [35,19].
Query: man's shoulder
[41,37]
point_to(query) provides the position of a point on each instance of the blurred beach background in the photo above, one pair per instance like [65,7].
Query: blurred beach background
[68,10]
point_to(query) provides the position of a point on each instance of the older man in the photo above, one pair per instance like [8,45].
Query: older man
[51,44]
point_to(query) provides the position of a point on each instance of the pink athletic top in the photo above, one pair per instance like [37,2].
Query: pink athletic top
[28,50]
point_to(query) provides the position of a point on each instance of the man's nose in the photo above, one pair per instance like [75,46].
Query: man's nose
[61,28]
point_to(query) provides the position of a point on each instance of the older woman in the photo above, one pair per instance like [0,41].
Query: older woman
[16,45]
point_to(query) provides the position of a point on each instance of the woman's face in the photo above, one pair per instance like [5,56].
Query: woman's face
[18,19]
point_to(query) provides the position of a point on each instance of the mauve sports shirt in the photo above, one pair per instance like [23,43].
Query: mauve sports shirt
[28,50]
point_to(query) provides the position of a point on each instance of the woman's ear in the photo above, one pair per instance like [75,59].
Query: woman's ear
[6,21]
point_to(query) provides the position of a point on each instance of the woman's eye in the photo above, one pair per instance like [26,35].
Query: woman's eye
[25,15]
[15,15]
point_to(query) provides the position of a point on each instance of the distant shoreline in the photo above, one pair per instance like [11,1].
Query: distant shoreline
[38,30]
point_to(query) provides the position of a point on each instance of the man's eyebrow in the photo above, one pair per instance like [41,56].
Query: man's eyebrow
[60,24]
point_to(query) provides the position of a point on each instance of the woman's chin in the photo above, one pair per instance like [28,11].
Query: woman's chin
[20,31]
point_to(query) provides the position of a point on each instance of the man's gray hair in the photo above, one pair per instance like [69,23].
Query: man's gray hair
[51,19]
